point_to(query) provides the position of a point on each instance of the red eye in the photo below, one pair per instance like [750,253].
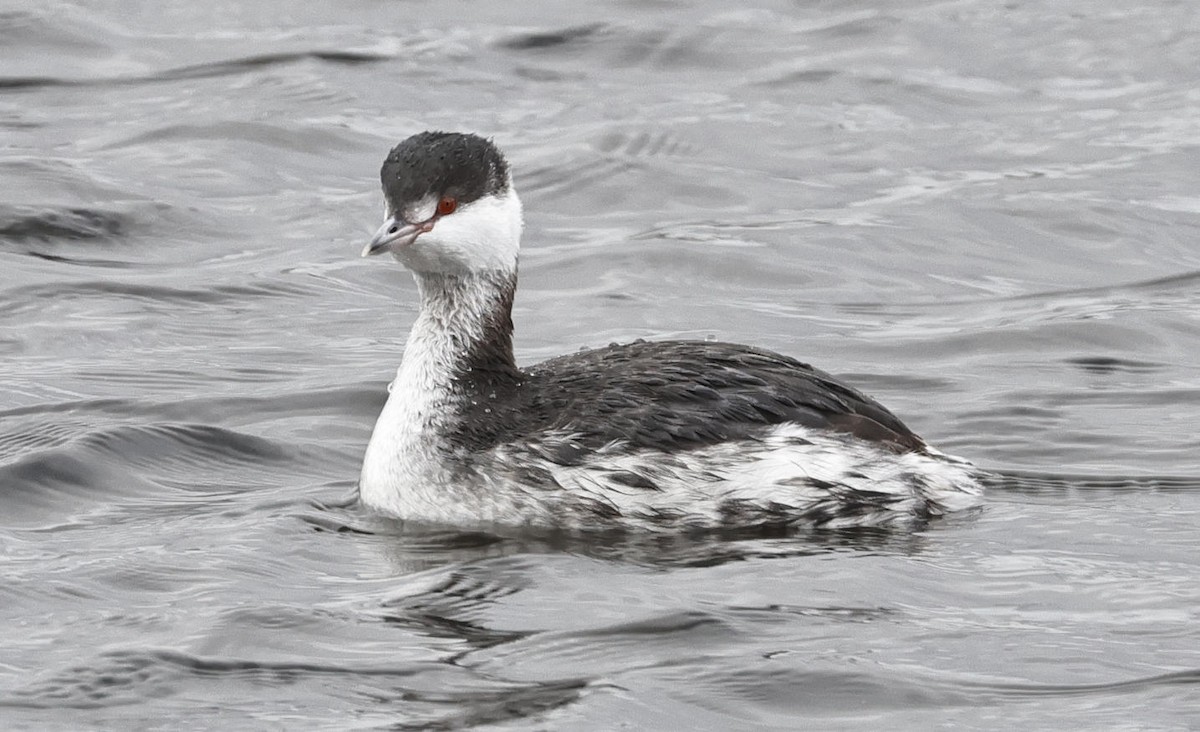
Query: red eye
[446,206]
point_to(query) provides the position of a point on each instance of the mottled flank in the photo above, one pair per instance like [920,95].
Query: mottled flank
[785,475]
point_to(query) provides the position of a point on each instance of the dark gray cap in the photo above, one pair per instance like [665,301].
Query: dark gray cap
[460,165]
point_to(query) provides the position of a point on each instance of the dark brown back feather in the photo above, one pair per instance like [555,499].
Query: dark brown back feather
[667,395]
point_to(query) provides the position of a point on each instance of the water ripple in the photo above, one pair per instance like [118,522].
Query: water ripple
[50,466]
[23,223]
[414,695]
[34,298]
[225,67]
[551,39]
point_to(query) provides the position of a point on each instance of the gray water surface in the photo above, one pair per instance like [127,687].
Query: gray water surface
[987,216]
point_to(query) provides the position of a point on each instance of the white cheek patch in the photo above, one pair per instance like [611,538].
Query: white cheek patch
[483,235]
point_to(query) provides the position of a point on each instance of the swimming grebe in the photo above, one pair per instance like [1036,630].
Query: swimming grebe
[659,435]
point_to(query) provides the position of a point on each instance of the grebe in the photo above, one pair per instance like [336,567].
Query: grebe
[664,435]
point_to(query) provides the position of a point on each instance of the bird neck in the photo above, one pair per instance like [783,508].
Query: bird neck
[464,329]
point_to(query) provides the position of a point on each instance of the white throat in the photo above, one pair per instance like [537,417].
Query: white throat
[461,317]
